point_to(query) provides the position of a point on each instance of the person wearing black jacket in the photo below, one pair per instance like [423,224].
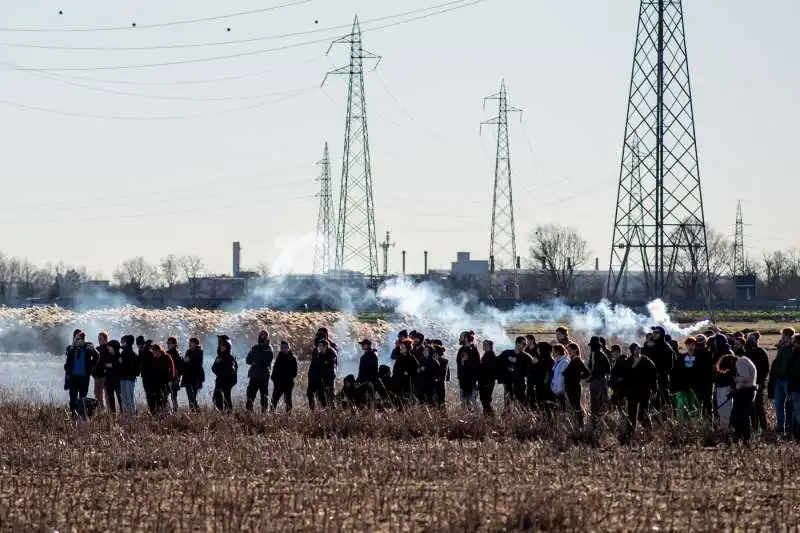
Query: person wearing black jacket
[322,374]
[404,373]
[760,358]
[81,359]
[488,377]
[429,371]
[105,357]
[444,372]
[618,361]
[531,377]
[724,379]
[128,372]
[112,383]
[283,376]
[177,360]
[383,388]
[260,360]
[599,370]
[575,372]
[226,370]
[468,362]
[146,368]
[663,356]
[543,372]
[640,383]
[162,376]
[368,364]
[513,367]
[193,372]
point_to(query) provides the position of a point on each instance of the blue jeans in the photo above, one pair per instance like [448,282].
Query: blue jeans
[781,406]
[468,399]
[126,395]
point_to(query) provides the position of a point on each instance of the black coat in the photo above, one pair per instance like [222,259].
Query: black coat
[662,355]
[177,360]
[129,368]
[368,367]
[322,369]
[575,372]
[107,364]
[260,360]
[760,359]
[193,372]
[404,372]
[488,369]
[468,362]
[513,367]
[226,369]
[600,365]
[285,370]
[91,358]
[640,381]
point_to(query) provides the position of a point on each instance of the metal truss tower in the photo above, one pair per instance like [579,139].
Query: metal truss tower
[659,222]
[502,241]
[326,239]
[356,240]
[739,260]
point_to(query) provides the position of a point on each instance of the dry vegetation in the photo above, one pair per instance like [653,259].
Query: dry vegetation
[413,471]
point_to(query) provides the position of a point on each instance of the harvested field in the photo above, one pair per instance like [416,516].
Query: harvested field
[414,471]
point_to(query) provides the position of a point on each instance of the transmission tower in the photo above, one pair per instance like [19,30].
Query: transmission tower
[739,261]
[385,246]
[659,222]
[502,241]
[356,242]
[326,239]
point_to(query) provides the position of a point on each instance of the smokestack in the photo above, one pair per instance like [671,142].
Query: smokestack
[404,262]
[491,264]
[519,263]
[597,263]
[237,259]
[426,262]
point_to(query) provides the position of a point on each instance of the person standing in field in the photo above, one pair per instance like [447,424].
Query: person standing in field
[557,380]
[793,386]
[468,362]
[683,381]
[743,396]
[663,356]
[704,375]
[128,372]
[193,372]
[260,360]
[226,371]
[618,361]
[531,374]
[640,384]
[724,382]
[283,376]
[322,374]
[81,358]
[429,371]
[513,367]
[177,361]
[112,383]
[443,378]
[760,358]
[146,367]
[488,377]
[367,364]
[779,381]
[599,370]
[162,372]
[404,374]
[562,336]
[543,372]
[574,374]
[105,357]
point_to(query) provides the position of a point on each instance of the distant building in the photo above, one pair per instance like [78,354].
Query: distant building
[465,267]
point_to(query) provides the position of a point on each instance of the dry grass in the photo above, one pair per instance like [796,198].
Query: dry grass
[413,471]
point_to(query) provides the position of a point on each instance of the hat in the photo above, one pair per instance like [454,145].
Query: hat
[139,340]
[285,343]
[223,338]
[701,339]
[634,345]
[520,340]
[263,333]
[403,333]
[439,349]
[660,330]
[721,342]
[365,341]
[594,342]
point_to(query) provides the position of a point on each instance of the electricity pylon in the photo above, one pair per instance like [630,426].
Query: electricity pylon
[326,239]
[739,260]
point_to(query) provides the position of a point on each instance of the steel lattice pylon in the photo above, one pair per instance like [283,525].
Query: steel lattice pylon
[502,241]
[326,239]
[659,220]
[739,260]
[356,240]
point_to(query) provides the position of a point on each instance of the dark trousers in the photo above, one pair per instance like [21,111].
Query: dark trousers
[113,395]
[530,396]
[222,399]
[485,392]
[598,399]
[514,393]
[78,390]
[740,415]
[319,392]
[151,395]
[573,395]
[255,387]
[707,405]
[638,413]
[191,395]
[758,415]
[440,393]
[284,391]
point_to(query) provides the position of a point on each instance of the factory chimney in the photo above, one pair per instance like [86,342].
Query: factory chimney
[237,259]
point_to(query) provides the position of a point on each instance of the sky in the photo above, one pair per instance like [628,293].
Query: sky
[103,158]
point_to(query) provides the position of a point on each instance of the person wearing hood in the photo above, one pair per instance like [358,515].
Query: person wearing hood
[779,381]
[662,355]
[368,364]
[429,371]
[177,360]
[194,375]
[724,382]
[128,372]
[599,369]
[322,375]
[488,377]
[105,362]
[468,362]
[760,358]
[259,358]
[226,370]
[81,359]
[513,366]
[283,376]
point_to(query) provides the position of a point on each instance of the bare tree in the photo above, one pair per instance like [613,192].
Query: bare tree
[558,252]
[28,273]
[135,275]
[781,273]
[689,273]
[192,267]
[262,269]
[170,270]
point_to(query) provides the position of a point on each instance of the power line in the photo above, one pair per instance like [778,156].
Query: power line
[139,27]
[204,114]
[248,53]
[229,42]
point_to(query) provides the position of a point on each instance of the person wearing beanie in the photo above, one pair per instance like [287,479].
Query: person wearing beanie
[778,384]
[128,372]
[81,357]
[226,370]
[259,358]
[283,376]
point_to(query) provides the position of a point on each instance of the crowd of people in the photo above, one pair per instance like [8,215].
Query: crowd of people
[722,377]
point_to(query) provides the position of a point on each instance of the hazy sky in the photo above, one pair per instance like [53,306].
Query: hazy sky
[96,191]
